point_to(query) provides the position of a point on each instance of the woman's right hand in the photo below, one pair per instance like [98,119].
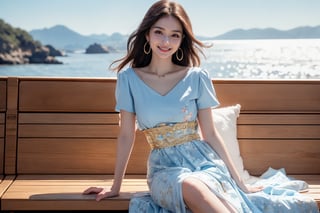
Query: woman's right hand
[252,189]
[101,192]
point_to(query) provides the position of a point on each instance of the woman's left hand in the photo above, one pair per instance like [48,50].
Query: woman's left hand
[101,192]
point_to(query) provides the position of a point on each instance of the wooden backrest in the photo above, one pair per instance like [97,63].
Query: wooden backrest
[279,124]
[3,107]
[68,126]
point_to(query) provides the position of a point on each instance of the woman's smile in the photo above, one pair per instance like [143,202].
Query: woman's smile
[164,49]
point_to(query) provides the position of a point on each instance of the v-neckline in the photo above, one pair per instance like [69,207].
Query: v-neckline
[157,92]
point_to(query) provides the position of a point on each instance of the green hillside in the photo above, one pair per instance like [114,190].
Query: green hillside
[18,47]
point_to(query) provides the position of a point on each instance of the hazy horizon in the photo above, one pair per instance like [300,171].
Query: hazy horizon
[209,18]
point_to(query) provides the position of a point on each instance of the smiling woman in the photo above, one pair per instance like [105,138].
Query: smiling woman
[189,166]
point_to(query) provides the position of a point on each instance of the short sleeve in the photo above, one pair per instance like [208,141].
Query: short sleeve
[207,95]
[124,98]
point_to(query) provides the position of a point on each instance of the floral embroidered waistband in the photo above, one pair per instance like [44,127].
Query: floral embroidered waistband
[172,134]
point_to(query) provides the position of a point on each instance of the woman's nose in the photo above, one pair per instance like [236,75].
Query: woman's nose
[165,39]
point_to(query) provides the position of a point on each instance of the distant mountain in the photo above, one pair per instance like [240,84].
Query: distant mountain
[64,38]
[305,32]
[60,37]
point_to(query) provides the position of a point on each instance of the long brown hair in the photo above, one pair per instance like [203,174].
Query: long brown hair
[190,45]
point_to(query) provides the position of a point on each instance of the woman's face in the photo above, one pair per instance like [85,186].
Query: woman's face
[165,37]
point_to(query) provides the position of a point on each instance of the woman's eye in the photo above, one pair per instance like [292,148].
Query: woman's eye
[176,36]
[158,32]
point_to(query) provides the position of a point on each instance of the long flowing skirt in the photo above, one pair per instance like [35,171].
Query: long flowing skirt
[168,167]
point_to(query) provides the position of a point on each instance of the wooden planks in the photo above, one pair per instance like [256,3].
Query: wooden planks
[69,118]
[63,130]
[2,134]
[73,143]
[59,136]
[98,94]
[278,119]
[2,124]
[5,183]
[3,106]
[11,126]
[67,126]
[67,95]
[296,156]
[290,141]
[75,156]
[270,95]
[3,94]
[64,192]
[66,156]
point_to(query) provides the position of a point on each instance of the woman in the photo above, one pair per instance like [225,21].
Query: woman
[169,96]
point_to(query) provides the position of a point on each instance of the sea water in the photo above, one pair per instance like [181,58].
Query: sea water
[241,59]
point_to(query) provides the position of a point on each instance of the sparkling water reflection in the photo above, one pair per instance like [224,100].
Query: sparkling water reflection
[254,59]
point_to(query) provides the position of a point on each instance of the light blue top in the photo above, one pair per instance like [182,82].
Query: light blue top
[194,91]
[168,167]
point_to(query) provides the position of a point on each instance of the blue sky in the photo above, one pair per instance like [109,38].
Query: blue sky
[209,17]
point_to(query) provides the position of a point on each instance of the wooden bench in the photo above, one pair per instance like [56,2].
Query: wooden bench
[3,107]
[7,134]
[66,131]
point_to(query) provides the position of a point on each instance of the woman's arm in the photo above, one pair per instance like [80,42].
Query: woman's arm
[124,147]
[212,136]
[125,144]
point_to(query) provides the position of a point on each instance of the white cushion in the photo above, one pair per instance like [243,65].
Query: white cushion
[225,121]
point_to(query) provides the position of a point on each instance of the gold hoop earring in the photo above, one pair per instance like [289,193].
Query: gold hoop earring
[177,55]
[144,48]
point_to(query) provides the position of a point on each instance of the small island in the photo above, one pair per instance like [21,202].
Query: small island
[97,48]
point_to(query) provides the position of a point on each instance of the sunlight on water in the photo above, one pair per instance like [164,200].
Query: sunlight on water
[264,59]
[254,59]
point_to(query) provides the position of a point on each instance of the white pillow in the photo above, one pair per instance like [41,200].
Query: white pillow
[225,121]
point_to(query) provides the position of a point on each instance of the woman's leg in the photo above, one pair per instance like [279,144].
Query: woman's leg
[199,198]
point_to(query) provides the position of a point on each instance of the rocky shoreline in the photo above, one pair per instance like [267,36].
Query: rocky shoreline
[42,55]
[18,47]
